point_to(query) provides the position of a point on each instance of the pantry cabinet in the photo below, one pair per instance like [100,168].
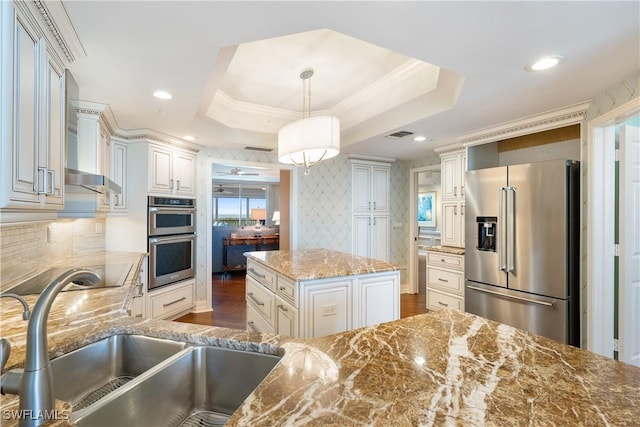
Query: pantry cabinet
[371,219]
[171,171]
[33,117]
[453,166]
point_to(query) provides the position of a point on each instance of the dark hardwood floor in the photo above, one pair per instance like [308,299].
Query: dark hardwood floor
[229,306]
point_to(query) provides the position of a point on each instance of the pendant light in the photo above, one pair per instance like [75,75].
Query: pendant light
[307,141]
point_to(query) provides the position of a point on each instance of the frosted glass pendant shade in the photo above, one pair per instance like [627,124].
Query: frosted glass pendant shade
[307,141]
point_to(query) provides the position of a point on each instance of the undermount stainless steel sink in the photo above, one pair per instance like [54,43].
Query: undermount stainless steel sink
[84,376]
[201,386]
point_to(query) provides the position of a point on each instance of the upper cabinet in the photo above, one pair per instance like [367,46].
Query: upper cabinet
[171,171]
[371,219]
[453,170]
[33,117]
[370,187]
[119,175]
[453,166]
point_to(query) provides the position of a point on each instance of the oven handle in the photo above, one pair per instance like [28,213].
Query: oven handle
[157,210]
[180,238]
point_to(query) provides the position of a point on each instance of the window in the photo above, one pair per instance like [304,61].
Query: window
[235,210]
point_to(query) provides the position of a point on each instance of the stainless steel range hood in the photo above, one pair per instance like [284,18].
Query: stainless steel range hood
[96,183]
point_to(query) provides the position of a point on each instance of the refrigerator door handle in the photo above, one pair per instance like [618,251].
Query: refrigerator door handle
[532,301]
[502,236]
[511,234]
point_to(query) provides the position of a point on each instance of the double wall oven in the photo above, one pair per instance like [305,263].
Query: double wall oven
[172,240]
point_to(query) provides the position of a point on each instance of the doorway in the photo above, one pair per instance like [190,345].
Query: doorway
[613,299]
[424,185]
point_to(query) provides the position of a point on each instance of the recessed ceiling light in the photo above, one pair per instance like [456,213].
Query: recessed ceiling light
[162,94]
[420,138]
[545,63]
[189,138]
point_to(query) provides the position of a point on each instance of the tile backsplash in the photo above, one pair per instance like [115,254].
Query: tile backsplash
[28,248]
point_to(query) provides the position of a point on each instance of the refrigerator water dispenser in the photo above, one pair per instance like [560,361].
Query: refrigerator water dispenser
[487,226]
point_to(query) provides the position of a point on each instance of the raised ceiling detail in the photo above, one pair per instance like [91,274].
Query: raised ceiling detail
[356,81]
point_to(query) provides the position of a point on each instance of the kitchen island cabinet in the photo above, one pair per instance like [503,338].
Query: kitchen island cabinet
[316,292]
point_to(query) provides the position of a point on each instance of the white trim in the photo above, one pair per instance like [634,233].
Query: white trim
[600,248]
[554,119]
[363,157]
[202,306]
[412,287]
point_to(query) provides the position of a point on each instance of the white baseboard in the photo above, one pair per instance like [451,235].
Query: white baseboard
[202,307]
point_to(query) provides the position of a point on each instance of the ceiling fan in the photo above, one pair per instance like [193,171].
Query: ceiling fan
[238,172]
[221,190]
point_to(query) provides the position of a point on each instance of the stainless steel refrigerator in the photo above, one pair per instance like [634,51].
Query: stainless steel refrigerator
[522,247]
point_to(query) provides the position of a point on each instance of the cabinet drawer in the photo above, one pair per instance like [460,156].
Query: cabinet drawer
[286,288]
[257,323]
[446,280]
[437,301]
[261,274]
[168,303]
[440,259]
[261,298]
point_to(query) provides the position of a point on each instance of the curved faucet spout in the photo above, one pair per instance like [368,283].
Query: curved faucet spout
[36,387]
[25,307]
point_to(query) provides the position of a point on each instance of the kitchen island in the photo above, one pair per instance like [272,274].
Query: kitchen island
[439,368]
[316,292]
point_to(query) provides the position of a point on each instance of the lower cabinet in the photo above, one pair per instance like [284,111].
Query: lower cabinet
[311,308]
[171,301]
[445,281]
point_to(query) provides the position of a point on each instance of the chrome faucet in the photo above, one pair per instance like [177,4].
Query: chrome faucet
[36,383]
[5,345]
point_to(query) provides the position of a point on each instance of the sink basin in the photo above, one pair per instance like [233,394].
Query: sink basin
[84,376]
[202,386]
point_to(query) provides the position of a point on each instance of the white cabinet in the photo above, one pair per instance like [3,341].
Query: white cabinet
[453,167]
[171,301]
[171,171]
[119,175]
[445,281]
[377,300]
[371,209]
[326,307]
[452,224]
[32,88]
[138,300]
[310,308]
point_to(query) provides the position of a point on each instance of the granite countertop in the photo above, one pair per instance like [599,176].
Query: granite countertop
[311,264]
[445,249]
[440,368]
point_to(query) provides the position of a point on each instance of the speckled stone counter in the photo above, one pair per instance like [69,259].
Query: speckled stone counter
[311,264]
[445,249]
[440,368]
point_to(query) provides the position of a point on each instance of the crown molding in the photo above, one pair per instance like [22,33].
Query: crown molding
[52,15]
[360,157]
[150,135]
[102,112]
[554,119]
[447,149]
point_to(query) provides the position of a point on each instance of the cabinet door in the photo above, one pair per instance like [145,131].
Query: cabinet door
[160,169]
[286,318]
[184,165]
[361,242]
[326,308]
[25,100]
[103,161]
[450,224]
[54,137]
[361,191]
[380,189]
[380,231]
[462,169]
[450,176]
[119,175]
[378,300]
